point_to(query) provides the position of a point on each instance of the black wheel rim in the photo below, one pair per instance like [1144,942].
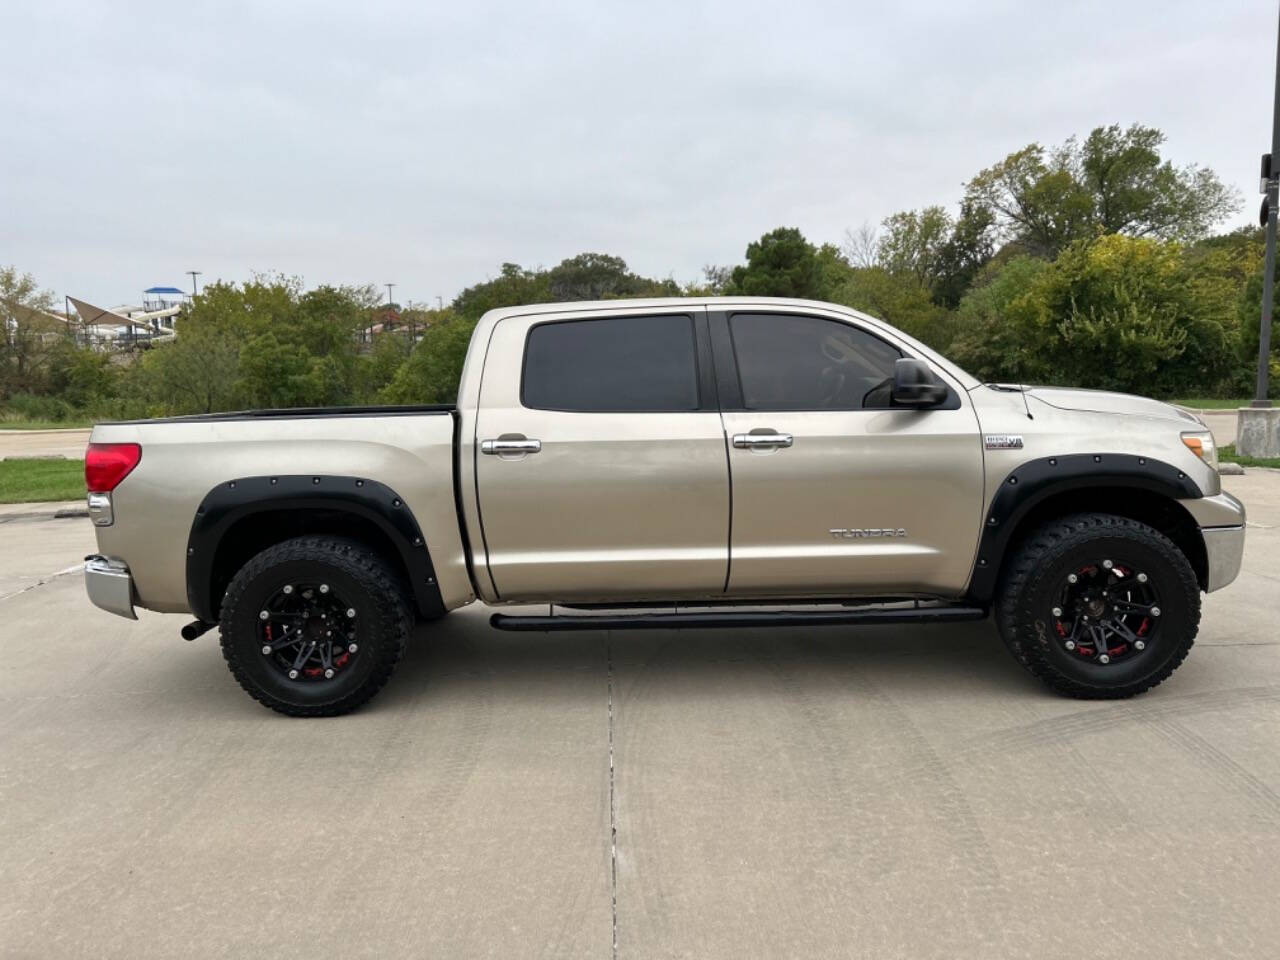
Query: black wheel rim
[1107,612]
[307,632]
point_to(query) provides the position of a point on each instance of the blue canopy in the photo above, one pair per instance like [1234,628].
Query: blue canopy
[164,290]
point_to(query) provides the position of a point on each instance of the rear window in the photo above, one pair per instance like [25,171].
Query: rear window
[612,365]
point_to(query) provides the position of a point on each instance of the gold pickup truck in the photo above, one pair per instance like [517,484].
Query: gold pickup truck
[673,464]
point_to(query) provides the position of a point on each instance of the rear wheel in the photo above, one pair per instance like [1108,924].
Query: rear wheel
[314,626]
[1099,606]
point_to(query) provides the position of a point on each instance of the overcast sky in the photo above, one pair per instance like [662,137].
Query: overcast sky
[425,144]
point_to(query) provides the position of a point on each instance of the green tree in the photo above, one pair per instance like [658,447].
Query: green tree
[592,276]
[991,335]
[1117,313]
[969,248]
[86,379]
[433,370]
[1114,182]
[899,300]
[912,243]
[197,372]
[782,263]
[28,333]
[513,286]
[1249,318]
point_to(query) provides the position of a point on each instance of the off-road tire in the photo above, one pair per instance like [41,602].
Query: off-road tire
[363,579]
[1043,558]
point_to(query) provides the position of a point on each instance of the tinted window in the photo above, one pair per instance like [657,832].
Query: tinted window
[806,363]
[612,364]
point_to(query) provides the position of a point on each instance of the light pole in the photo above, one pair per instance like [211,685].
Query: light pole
[1258,425]
[1271,186]
[195,287]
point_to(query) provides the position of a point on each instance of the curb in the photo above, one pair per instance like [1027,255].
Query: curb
[48,513]
[1230,469]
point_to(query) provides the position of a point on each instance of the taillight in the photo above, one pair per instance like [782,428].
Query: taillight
[106,464]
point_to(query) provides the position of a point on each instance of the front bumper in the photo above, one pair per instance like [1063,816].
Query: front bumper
[110,585]
[1224,547]
[1221,520]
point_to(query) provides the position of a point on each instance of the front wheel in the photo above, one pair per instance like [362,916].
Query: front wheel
[1099,606]
[314,627]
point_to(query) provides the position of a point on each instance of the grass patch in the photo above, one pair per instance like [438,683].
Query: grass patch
[1228,453]
[1211,403]
[33,480]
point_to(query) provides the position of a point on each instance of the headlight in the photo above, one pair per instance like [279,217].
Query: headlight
[1201,444]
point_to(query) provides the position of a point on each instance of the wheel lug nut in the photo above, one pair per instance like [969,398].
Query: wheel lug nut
[288,588]
[352,648]
[1139,644]
[293,674]
[1057,611]
[263,615]
[1155,611]
[266,648]
[1104,659]
[351,611]
[1071,644]
[324,588]
[328,674]
[1072,578]
[1142,578]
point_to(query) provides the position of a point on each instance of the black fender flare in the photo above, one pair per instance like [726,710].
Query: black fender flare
[1033,482]
[232,501]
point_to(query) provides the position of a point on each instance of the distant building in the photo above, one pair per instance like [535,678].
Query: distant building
[131,325]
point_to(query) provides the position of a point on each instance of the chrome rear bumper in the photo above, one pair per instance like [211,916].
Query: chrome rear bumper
[109,585]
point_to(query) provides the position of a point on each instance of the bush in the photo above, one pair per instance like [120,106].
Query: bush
[1113,313]
[27,406]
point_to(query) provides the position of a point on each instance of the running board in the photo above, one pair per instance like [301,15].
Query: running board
[719,619]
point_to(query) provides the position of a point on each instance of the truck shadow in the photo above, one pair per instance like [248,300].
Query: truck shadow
[463,652]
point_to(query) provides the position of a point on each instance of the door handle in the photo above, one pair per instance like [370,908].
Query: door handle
[759,441]
[510,446]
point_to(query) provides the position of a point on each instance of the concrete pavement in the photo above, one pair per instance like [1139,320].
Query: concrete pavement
[43,443]
[797,793]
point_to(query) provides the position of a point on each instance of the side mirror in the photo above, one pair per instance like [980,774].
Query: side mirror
[916,385]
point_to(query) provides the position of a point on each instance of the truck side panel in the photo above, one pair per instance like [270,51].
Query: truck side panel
[183,461]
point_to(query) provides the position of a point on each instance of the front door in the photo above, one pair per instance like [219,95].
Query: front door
[601,463]
[834,491]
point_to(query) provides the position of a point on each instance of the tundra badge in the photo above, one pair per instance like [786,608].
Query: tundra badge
[857,533]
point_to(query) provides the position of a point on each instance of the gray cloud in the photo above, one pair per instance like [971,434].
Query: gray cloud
[425,144]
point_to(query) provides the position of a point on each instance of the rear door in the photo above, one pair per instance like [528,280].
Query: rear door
[602,468]
[834,491]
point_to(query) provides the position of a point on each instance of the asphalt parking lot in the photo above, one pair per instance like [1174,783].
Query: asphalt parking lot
[800,793]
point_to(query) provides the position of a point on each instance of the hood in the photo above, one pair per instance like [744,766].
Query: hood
[1100,401]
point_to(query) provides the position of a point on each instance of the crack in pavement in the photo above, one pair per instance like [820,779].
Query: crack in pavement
[47,578]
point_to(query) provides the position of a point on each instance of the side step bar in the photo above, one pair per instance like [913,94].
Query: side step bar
[730,618]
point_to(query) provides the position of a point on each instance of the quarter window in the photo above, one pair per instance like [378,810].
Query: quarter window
[612,364]
[808,363]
